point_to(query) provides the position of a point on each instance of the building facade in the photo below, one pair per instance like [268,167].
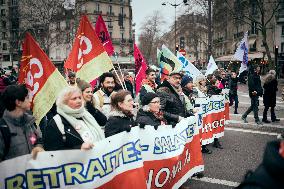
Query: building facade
[9,29]
[54,26]
[229,29]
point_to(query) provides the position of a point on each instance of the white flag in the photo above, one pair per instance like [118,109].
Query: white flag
[188,67]
[241,53]
[212,66]
[69,4]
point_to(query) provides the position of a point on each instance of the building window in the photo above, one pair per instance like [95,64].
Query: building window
[253,9]
[110,34]
[4,47]
[4,35]
[6,57]
[253,28]
[282,33]
[121,11]
[109,24]
[2,2]
[98,7]
[3,12]
[14,2]
[122,36]
[110,9]
[4,24]
[282,47]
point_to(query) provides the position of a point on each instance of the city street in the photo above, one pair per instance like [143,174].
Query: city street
[243,146]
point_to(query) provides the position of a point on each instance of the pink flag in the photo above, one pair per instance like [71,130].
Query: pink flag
[103,34]
[140,68]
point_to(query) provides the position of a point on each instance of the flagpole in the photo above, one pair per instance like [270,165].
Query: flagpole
[122,83]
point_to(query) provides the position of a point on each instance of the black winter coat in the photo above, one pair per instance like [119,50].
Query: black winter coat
[270,173]
[269,96]
[254,84]
[117,123]
[97,114]
[233,86]
[172,104]
[147,118]
[53,139]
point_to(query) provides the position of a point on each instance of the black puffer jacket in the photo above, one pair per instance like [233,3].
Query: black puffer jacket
[54,140]
[147,118]
[117,123]
[172,104]
[254,84]
[270,172]
[269,96]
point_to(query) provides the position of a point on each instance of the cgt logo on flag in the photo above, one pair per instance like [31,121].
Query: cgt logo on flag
[32,78]
[87,45]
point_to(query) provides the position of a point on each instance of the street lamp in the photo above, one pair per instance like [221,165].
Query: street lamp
[175,5]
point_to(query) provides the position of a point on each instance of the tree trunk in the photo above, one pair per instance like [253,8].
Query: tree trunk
[270,62]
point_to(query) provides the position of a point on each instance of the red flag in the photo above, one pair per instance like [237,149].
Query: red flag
[102,33]
[41,77]
[88,57]
[140,68]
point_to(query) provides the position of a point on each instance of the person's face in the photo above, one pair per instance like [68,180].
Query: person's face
[108,84]
[154,105]
[189,85]
[24,105]
[127,104]
[175,80]
[234,75]
[223,75]
[127,77]
[75,101]
[72,80]
[257,70]
[151,76]
[203,82]
[88,94]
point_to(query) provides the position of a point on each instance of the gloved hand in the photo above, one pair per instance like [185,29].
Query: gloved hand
[128,129]
[156,127]
[142,126]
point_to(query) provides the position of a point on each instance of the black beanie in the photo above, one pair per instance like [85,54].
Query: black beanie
[147,98]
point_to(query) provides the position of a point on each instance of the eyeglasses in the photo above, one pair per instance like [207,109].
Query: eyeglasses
[155,102]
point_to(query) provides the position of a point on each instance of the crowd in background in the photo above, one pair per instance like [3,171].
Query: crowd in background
[83,115]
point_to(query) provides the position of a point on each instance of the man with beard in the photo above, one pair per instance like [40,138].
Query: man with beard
[102,97]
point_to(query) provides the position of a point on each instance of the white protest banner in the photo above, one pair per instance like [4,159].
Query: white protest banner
[211,118]
[142,158]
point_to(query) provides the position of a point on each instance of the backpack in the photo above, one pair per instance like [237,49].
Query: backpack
[6,134]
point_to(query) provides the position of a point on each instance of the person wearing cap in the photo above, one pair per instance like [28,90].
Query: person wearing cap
[72,79]
[87,93]
[187,85]
[172,99]
[150,113]
[148,84]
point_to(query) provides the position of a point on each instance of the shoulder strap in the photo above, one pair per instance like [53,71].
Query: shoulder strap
[99,98]
[60,125]
[6,134]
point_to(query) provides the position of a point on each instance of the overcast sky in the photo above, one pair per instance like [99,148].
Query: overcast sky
[144,8]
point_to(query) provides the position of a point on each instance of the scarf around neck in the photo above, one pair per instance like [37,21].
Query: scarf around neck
[90,124]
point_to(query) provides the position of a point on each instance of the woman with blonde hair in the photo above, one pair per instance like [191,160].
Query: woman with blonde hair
[200,85]
[73,127]
[269,96]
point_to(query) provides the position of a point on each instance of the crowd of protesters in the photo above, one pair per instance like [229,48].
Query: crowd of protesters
[83,115]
